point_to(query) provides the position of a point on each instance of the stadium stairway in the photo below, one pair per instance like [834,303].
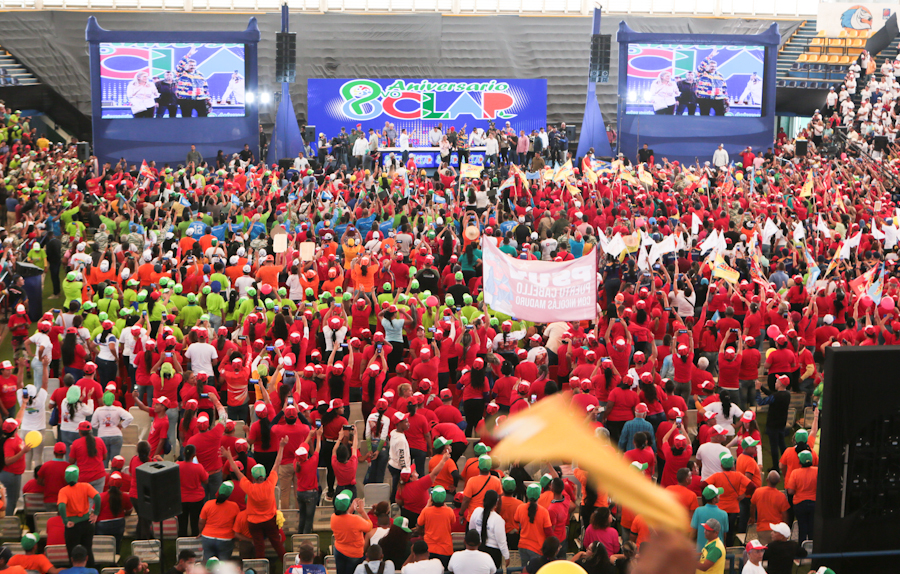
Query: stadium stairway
[16,70]
[795,46]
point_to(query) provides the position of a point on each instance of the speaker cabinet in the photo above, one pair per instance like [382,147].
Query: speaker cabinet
[802,148]
[159,490]
[84,151]
[285,57]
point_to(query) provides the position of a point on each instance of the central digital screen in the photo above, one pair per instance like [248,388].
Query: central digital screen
[695,80]
[169,80]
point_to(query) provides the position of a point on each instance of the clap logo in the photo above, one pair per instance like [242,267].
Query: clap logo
[366,100]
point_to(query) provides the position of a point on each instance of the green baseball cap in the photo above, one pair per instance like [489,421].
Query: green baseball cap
[28,541]
[438,494]
[178,288]
[726,460]
[545,480]
[167,369]
[251,291]
[414,284]
[533,492]
[212,564]
[748,442]
[481,448]
[467,299]
[711,492]
[459,276]
[226,488]
[73,395]
[342,501]
[191,298]
[103,316]
[801,436]
[258,471]
[346,297]
[439,443]
[206,290]
[108,398]
[72,473]
[262,369]
[109,291]
[270,304]
[805,457]
[204,318]
[386,286]
[142,296]
[310,292]
[88,305]
[402,523]
[508,483]
[449,300]
[485,462]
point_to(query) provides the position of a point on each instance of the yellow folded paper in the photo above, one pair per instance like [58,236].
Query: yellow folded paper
[551,430]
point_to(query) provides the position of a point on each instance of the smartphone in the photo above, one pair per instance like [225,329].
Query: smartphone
[343,344]
[144,313]
[56,311]
[533,398]
[667,309]
[290,400]
[204,395]
[242,338]
[270,348]
[432,329]
[347,427]
[378,347]
[169,355]
[678,420]
[318,424]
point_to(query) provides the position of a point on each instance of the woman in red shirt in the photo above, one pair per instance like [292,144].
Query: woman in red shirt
[265,445]
[14,450]
[332,424]
[620,408]
[144,369]
[474,389]
[89,452]
[114,507]
[73,354]
[193,491]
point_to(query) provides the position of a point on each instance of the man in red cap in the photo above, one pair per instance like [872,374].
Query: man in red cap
[207,442]
[52,474]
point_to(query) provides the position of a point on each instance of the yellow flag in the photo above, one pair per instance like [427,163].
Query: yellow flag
[572,189]
[534,434]
[725,271]
[644,176]
[591,175]
[469,170]
[564,172]
[626,176]
[808,186]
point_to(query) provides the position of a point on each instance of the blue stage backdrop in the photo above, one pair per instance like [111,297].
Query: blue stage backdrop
[684,94]
[139,81]
[420,104]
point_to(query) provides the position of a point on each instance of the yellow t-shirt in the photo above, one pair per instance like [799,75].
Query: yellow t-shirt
[714,551]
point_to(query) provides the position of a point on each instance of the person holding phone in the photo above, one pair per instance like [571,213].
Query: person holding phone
[675,449]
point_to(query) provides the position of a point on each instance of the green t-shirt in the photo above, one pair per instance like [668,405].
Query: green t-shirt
[222,279]
[72,291]
[38,257]
[466,264]
[189,315]
[215,303]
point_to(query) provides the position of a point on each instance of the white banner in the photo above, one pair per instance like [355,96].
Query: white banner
[836,16]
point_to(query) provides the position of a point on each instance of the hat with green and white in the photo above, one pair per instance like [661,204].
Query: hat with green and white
[485,462]
[342,501]
[711,492]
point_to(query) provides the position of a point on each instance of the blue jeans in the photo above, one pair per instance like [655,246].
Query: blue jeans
[307,501]
[345,564]
[527,556]
[217,547]
[13,484]
[114,527]
[215,321]
[172,415]
[106,371]
[68,437]
[375,474]
[37,369]
[145,393]
[113,447]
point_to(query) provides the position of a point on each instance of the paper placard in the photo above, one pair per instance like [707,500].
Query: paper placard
[279,243]
[307,251]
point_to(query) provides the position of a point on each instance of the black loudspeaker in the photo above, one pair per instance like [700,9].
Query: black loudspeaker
[84,151]
[571,132]
[881,143]
[285,163]
[802,148]
[858,492]
[600,53]
[285,57]
[159,491]
[310,136]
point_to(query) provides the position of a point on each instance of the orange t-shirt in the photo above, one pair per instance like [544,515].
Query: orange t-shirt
[640,529]
[437,522]
[470,470]
[348,533]
[77,499]
[445,477]
[260,498]
[268,274]
[770,504]
[36,562]
[746,464]
[627,517]
[241,526]
[508,507]
[791,462]
[476,493]
[219,519]
[531,534]
[364,282]
[685,496]
[602,496]
[803,483]
[734,484]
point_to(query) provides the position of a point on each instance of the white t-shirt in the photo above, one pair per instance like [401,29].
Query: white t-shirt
[379,533]
[496,530]
[431,566]
[725,422]
[42,343]
[751,568]
[708,455]
[105,354]
[82,412]
[201,356]
[107,418]
[34,419]
[295,288]
[400,457]
[471,562]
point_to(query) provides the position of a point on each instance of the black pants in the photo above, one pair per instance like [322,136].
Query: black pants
[81,533]
[188,107]
[54,277]
[462,155]
[325,457]
[707,104]
[474,409]
[733,519]
[144,526]
[667,111]
[148,113]
[776,444]
[496,555]
[190,512]
[804,512]
[691,109]
[615,430]
[163,108]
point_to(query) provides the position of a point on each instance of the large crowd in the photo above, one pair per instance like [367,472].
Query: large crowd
[243,316]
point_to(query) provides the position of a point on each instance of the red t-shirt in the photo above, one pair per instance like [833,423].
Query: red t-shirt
[625,401]
[345,473]
[106,511]
[192,476]
[90,468]
[729,371]
[308,475]
[53,475]
[782,361]
[158,431]
[207,444]
[414,495]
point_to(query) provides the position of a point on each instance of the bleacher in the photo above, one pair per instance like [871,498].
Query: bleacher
[12,73]
[812,60]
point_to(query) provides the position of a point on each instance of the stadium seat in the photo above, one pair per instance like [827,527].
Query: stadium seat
[257,565]
[322,518]
[298,539]
[15,547]
[58,555]
[330,565]
[40,522]
[105,550]
[170,528]
[289,559]
[459,540]
[804,57]
[147,550]
[376,492]
[128,452]
[131,435]
[34,503]
[10,528]
[291,521]
[188,543]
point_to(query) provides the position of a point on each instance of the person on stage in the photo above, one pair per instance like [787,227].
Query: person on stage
[167,101]
[234,93]
[192,89]
[712,90]
[663,92]
[687,99]
[142,96]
